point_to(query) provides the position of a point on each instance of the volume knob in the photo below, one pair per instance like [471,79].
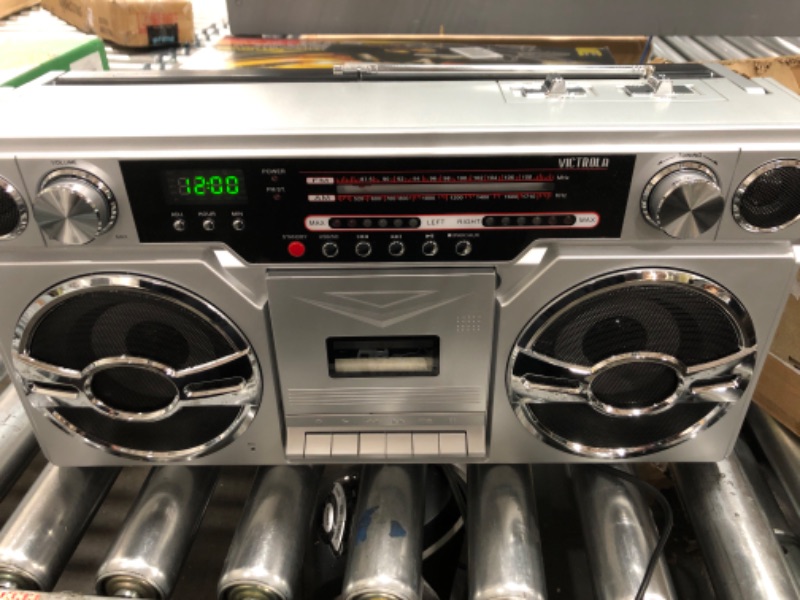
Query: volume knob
[684,200]
[74,207]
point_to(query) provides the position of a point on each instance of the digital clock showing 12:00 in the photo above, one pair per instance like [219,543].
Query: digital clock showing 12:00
[205,186]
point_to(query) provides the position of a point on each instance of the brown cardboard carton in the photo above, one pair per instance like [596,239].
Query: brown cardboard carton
[9,7]
[134,23]
[783,69]
[778,388]
[626,50]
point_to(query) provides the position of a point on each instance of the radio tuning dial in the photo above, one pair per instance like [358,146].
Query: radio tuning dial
[74,207]
[683,200]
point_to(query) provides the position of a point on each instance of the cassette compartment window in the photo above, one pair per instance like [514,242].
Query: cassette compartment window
[383,356]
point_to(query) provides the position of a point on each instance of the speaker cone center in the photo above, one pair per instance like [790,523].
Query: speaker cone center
[635,387]
[133,389]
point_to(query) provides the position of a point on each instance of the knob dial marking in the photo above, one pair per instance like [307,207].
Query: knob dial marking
[74,207]
[683,200]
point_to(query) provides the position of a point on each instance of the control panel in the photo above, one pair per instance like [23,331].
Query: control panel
[373,210]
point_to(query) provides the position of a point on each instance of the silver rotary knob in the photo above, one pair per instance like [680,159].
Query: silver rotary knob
[74,207]
[683,200]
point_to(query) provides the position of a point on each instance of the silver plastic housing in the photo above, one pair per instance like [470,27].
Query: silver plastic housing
[725,125]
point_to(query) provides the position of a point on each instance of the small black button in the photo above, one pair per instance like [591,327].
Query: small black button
[397,248]
[430,248]
[463,248]
[330,249]
[363,249]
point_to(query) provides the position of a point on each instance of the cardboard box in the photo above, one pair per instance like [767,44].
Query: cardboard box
[133,23]
[308,53]
[325,51]
[778,388]
[26,56]
[9,7]
[626,50]
[784,69]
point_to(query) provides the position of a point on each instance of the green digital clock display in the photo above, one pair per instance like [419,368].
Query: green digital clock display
[206,186]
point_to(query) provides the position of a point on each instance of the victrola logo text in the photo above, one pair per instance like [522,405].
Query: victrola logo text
[583,162]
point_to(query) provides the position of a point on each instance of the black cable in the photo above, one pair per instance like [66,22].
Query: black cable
[666,529]
[457,488]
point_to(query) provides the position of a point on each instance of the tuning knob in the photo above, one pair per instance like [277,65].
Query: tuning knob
[74,207]
[683,200]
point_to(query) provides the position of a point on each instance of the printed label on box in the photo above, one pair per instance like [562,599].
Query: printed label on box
[162,35]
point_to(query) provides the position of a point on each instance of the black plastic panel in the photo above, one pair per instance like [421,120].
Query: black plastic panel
[321,210]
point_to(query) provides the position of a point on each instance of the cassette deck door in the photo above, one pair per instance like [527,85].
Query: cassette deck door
[397,363]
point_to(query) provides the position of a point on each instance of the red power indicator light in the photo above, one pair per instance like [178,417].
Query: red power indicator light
[296,249]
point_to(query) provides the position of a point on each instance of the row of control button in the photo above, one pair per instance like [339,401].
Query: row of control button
[528,221]
[208,224]
[386,445]
[396,248]
[372,223]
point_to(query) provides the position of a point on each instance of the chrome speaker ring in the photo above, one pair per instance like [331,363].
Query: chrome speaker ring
[744,186]
[50,388]
[22,209]
[720,382]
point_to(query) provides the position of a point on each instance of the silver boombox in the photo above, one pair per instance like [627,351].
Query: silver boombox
[532,269]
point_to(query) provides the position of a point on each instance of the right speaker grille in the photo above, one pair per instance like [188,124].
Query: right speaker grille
[769,198]
[625,364]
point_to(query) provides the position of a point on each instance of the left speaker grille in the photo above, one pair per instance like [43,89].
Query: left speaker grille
[113,322]
[186,429]
[138,366]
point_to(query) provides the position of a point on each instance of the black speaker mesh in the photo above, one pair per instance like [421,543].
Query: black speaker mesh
[772,199]
[635,385]
[584,425]
[106,322]
[133,390]
[114,322]
[676,320]
[184,430]
[9,213]
[670,318]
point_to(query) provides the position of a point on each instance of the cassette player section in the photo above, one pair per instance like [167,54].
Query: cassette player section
[383,209]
